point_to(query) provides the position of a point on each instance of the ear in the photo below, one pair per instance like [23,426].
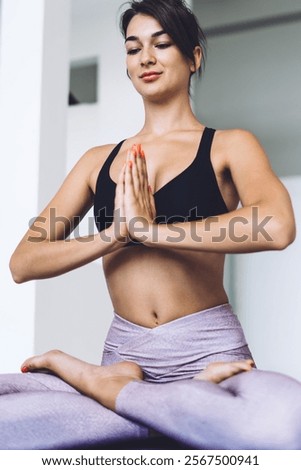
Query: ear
[197,52]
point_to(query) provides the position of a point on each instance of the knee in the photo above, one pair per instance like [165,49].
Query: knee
[285,436]
[289,428]
[271,413]
[277,423]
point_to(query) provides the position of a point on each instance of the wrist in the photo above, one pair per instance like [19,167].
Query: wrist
[149,236]
[161,235]
[113,237]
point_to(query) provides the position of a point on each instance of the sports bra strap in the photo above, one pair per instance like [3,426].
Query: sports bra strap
[206,143]
[109,160]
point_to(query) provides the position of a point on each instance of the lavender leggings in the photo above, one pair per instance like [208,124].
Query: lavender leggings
[253,410]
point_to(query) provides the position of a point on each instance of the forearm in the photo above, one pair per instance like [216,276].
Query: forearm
[45,259]
[245,230]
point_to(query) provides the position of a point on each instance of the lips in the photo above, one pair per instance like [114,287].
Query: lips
[151,75]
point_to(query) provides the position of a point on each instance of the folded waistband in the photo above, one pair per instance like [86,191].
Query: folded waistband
[217,310]
[180,348]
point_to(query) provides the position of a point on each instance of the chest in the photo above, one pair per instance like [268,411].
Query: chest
[185,179]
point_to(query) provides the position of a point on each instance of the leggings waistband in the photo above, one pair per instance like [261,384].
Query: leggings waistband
[180,348]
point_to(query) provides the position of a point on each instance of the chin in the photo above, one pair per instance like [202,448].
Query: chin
[157,94]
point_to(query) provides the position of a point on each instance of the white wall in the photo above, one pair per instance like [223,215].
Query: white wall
[33,84]
[0,29]
[220,12]
[252,80]
[268,299]
[96,34]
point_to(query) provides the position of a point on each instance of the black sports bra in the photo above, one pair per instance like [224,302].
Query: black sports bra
[192,194]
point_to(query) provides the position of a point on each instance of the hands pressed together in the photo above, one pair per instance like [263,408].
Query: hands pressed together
[134,211]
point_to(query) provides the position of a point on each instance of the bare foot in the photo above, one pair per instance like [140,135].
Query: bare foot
[102,383]
[219,371]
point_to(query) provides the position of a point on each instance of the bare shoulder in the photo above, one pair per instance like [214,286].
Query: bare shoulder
[239,145]
[234,136]
[96,155]
[249,167]
[92,161]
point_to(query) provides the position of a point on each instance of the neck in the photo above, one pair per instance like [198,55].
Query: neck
[169,116]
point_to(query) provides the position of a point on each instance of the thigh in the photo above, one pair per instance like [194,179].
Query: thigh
[32,382]
[60,420]
[253,410]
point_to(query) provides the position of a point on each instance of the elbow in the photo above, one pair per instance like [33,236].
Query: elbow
[284,234]
[16,267]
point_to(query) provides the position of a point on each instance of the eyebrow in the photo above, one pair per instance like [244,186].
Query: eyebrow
[154,35]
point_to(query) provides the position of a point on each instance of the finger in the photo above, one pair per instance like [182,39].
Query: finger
[129,185]
[146,187]
[138,174]
[148,202]
[135,178]
[121,176]
[152,203]
[119,194]
[144,171]
[120,181]
[133,156]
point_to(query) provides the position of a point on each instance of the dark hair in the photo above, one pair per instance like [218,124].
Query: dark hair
[176,19]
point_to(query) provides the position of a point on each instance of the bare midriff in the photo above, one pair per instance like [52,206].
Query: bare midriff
[151,286]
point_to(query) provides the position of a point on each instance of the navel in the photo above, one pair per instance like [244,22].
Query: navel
[156,319]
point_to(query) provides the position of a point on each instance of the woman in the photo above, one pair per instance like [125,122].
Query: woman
[165,200]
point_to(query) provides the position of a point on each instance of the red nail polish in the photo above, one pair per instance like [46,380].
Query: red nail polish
[142,154]
[130,164]
[24,370]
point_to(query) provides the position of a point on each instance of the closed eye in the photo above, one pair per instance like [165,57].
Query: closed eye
[133,51]
[163,45]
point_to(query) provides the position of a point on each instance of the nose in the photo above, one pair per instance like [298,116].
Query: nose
[147,57]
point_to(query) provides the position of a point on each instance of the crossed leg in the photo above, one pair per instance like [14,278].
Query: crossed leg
[253,410]
[228,406]
[104,383]
[41,411]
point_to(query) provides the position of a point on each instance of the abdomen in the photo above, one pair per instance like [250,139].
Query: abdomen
[150,286]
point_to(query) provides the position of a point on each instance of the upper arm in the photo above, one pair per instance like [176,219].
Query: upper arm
[251,172]
[71,202]
[256,182]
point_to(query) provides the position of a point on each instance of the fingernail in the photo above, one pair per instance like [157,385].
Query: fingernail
[130,164]
[142,154]
[24,369]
